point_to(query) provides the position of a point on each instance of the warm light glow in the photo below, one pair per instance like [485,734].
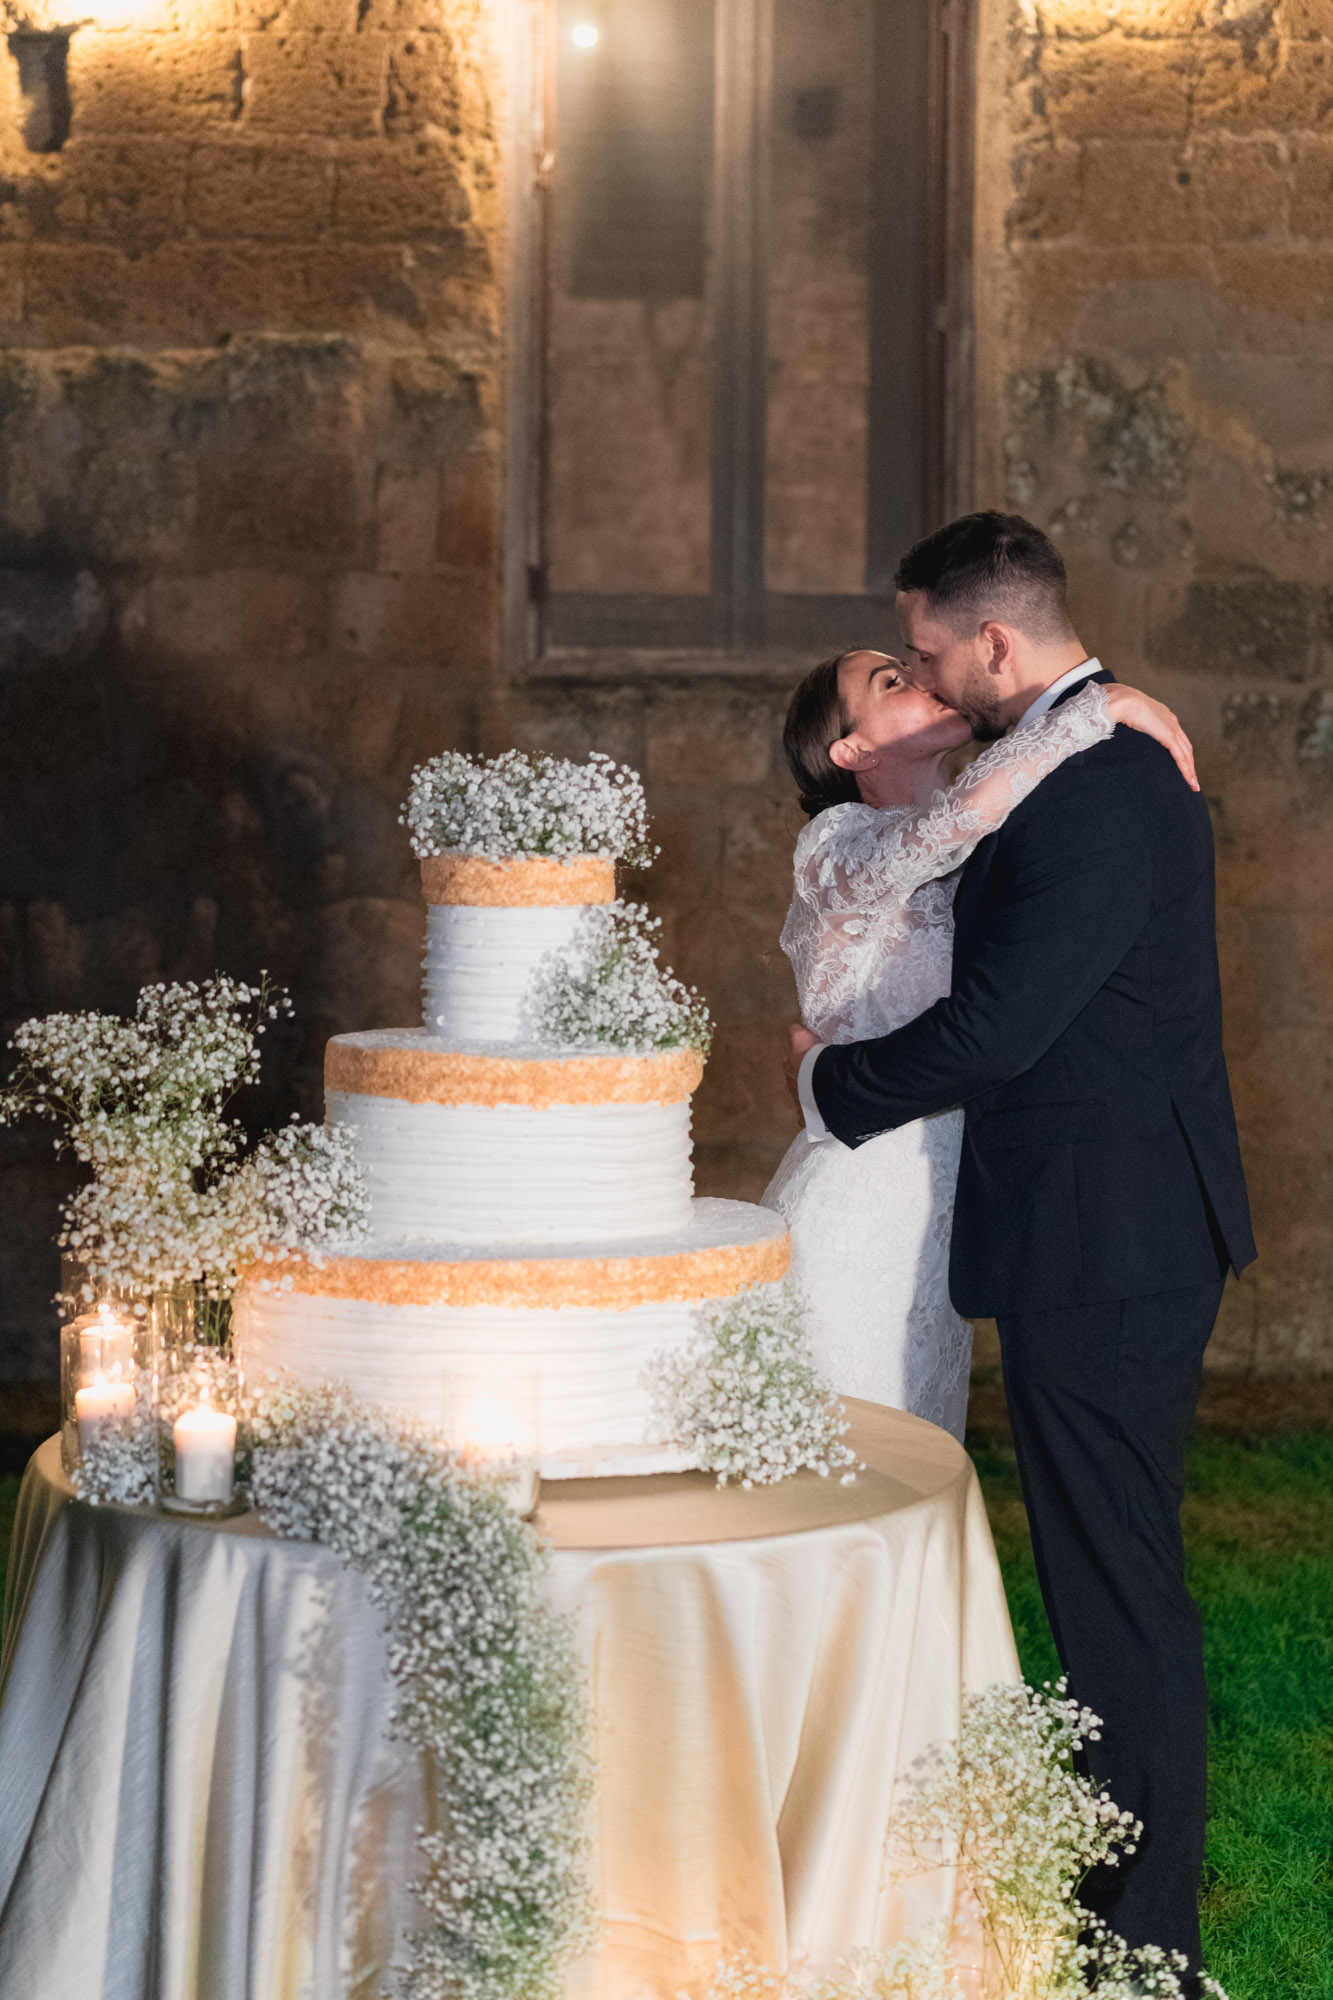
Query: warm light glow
[585,36]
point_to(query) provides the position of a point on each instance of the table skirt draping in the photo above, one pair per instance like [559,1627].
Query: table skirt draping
[200,1800]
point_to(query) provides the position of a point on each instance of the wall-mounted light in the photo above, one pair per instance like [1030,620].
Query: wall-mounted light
[584,35]
[42,55]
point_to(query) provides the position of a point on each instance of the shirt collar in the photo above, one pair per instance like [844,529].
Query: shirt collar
[1047,699]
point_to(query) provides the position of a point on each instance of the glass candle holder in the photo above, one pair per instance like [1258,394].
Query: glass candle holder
[105,1375]
[494,1420]
[197,1400]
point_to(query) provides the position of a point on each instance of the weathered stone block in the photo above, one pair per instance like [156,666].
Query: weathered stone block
[417,620]
[280,191]
[128,193]
[126,82]
[251,614]
[1289,90]
[314,85]
[1048,198]
[422,87]
[401,191]
[407,518]
[1137,192]
[1278,301]
[72,294]
[1312,189]
[724,744]
[1254,625]
[1119,88]
[470,511]
[759,834]
[1083,20]
[49,619]
[266,508]
[1241,189]
[746,1096]
[285,17]
[1152,300]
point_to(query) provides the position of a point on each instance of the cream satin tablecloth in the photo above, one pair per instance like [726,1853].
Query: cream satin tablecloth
[199,1801]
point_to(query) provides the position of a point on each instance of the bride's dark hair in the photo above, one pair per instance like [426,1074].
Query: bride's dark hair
[816,717]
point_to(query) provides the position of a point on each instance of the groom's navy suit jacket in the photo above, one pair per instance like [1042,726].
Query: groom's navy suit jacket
[1083,1038]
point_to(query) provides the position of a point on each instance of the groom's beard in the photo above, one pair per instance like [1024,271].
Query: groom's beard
[988,725]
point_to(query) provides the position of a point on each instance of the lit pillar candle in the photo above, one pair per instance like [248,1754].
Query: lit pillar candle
[205,1441]
[103,1398]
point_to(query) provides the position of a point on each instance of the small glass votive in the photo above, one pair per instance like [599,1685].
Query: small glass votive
[197,1406]
[105,1372]
[494,1420]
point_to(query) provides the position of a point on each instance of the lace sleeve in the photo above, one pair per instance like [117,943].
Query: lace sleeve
[857,867]
[935,842]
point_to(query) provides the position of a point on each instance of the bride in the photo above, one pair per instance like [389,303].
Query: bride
[870,935]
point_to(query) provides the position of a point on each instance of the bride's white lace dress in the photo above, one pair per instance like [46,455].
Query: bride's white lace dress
[870,938]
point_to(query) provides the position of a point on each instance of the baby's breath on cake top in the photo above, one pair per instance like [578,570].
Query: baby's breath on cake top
[520,807]
[606,989]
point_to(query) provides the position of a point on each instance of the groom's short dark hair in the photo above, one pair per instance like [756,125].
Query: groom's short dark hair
[991,565]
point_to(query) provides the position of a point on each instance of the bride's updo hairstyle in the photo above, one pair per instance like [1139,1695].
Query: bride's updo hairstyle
[816,718]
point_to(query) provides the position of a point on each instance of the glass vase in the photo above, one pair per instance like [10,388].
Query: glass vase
[197,1407]
[106,1373]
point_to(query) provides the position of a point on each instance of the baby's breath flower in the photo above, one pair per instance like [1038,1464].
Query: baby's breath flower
[518,807]
[744,1395]
[488,1681]
[175,1197]
[606,988]
[1005,1805]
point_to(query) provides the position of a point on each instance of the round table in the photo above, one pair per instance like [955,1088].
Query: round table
[200,1800]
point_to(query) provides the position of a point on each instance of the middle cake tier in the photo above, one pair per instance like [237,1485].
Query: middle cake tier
[529,1146]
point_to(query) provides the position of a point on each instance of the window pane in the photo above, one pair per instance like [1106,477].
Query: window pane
[820,218]
[630,323]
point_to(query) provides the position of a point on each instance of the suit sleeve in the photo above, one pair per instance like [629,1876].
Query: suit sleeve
[1069,892]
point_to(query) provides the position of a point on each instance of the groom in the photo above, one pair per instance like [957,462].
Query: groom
[1101,1198]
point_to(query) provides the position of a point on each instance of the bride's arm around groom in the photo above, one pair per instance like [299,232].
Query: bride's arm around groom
[1101,1197]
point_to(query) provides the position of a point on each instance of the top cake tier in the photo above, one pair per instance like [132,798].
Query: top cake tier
[490,925]
[468,881]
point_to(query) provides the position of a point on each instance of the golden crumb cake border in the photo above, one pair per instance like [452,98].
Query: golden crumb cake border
[418,1075]
[536,883]
[612,1283]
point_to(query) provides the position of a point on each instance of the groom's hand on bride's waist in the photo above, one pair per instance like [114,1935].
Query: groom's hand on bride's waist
[802,1042]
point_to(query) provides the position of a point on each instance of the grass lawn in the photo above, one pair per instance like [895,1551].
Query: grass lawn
[1259,1522]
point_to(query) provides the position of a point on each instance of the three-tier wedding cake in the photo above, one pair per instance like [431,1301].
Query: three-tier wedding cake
[532,1203]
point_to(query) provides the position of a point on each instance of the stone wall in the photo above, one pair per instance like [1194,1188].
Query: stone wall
[1155,385]
[250,427]
[249,502]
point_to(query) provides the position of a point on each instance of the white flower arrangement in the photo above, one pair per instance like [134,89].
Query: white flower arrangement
[175,1197]
[744,1394]
[1005,1805]
[518,806]
[606,988]
[488,1680]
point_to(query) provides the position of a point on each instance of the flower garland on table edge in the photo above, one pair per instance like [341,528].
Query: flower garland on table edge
[488,1679]
[518,807]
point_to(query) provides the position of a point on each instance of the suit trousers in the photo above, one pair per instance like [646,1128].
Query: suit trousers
[1101,1399]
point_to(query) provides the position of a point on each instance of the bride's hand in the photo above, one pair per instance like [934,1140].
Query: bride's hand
[1153,718]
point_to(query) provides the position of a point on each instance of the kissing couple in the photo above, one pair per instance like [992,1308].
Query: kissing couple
[1015,1105]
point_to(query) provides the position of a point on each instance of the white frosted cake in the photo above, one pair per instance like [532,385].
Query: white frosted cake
[533,1212]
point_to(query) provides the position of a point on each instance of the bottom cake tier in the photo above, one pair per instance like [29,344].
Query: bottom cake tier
[399,1323]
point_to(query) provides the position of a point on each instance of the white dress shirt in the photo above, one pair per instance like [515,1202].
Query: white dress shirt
[815,1128]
